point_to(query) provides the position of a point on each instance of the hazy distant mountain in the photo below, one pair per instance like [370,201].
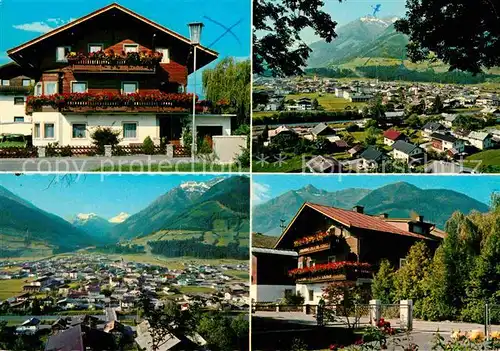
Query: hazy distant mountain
[398,200]
[19,219]
[353,40]
[266,217]
[95,226]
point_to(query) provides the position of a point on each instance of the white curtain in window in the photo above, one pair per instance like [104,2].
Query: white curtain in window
[129,130]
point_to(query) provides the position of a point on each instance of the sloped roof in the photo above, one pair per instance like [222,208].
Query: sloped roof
[392,134]
[403,146]
[445,137]
[372,154]
[321,127]
[320,164]
[478,135]
[433,126]
[353,219]
[99,12]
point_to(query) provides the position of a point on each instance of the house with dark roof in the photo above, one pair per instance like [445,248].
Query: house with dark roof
[371,158]
[391,136]
[401,150]
[80,338]
[324,164]
[447,142]
[433,127]
[334,244]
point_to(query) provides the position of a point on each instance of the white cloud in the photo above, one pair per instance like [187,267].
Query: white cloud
[43,26]
[260,193]
[38,27]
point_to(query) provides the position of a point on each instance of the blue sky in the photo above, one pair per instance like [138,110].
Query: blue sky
[23,20]
[266,187]
[105,195]
[350,10]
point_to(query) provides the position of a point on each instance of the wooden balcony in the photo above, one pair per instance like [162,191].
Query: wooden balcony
[350,276]
[88,65]
[14,89]
[111,107]
[315,248]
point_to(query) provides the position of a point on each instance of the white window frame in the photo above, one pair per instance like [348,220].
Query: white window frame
[44,136]
[19,97]
[39,131]
[45,87]
[130,82]
[136,129]
[5,81]
[38,86]
[57,53]
[79,123]
[402,262]
[165,58]
[80,82]
[18,117]
[130,45]
[24,80]
[95,44]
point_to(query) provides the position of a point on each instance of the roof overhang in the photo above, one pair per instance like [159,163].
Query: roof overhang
[211,54]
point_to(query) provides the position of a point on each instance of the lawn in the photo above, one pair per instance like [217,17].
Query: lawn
[238,274]
[290,164]
[12,144]
[359,136]
[180,167]
[487,158]
[11,287]
[328,101]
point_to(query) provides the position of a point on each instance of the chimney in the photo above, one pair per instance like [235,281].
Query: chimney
[420,218]
[383,215]
[358,209]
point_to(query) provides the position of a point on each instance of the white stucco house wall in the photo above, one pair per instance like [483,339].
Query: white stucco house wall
[13,118]
[76,129]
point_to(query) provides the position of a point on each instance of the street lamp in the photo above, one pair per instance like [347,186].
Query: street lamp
[195,29]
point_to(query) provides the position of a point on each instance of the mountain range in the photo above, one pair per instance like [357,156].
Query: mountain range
[398,200]
[364,37]
[193,206]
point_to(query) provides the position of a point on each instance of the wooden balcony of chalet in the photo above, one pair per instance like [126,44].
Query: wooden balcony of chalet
[14,89]
[330,272]
[104,65]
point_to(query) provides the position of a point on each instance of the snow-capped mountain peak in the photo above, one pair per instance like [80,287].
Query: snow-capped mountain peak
[199,187]
[85,216]
[119,218]
[385,22]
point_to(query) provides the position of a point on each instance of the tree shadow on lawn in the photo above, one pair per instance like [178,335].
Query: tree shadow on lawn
[271,334]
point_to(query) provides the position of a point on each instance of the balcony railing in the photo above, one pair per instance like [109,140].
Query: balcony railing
[104,65]
[315,248]
[344,270]
[109,61]
[105,102]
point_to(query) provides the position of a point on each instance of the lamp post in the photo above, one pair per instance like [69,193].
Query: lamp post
[195,36]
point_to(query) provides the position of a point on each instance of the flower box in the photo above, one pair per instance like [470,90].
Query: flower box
[343,267]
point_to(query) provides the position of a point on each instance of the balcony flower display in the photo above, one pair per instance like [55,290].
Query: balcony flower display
[342,267]
[148,59]
[110,100]
[316,238]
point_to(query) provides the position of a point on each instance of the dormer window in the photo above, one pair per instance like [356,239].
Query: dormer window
[61,53]
[130,48]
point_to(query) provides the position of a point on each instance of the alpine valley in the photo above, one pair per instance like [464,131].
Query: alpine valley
[199,219]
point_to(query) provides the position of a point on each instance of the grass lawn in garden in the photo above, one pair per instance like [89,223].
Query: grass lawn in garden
[328,101]
[488,158]
[180,167]
[291,163]
[258,114]
[242,275]
[359,136]
[6,144]
[11,287]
